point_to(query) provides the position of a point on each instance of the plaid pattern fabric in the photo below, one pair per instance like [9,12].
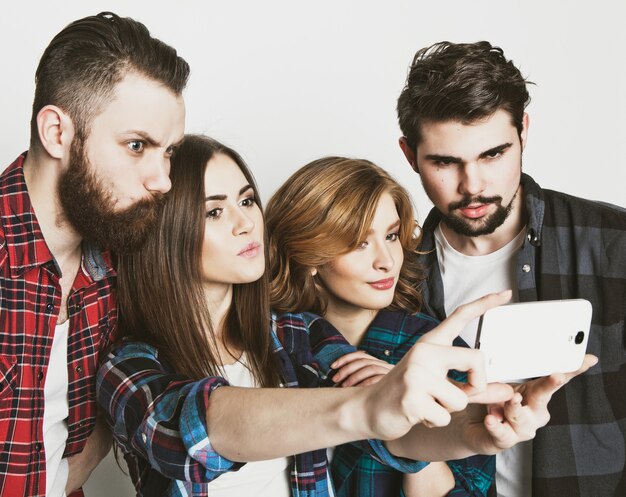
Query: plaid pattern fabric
[575,248]
[159,417]
[30,299]
[355,472]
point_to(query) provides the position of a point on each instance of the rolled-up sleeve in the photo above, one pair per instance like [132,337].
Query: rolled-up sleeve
[158,415]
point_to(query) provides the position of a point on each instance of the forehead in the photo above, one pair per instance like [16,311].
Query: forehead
[222,176]
[386,212]
[143,105]
[455,138]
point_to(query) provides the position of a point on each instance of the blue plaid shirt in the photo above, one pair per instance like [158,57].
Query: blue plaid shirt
[159,417]
[355,472]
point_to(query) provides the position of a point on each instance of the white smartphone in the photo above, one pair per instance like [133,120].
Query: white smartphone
[531,339]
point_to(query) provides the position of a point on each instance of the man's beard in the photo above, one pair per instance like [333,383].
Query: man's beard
[482,226]
[91,211]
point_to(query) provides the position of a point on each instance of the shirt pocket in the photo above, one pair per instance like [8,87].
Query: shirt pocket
[8,380]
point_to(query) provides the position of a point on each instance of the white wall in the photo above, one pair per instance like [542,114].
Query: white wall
[285,82]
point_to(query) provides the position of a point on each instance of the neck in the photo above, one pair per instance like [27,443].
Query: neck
[41,174]
[486,244]
[350,320]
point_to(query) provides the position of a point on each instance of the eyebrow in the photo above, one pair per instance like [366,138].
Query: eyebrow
[389,228]
[224,197]
[458,160]
[151,140]
[495,150]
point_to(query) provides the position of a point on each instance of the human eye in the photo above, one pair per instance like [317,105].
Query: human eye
[136,146]
[444,162]
[214,213]
[249,201]
[495,154]
[170,151]
[392,237]
[363,245]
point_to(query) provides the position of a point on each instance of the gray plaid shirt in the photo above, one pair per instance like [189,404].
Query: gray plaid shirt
[575,248]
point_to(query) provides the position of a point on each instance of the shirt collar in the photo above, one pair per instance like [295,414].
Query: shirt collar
[535,209]
[26,246]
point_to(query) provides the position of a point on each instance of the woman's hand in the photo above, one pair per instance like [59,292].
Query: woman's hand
[359,369]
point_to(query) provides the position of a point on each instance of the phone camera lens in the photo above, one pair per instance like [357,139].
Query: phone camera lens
[580,336]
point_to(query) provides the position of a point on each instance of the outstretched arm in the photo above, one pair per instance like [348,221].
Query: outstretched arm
[488,430]
[251,424]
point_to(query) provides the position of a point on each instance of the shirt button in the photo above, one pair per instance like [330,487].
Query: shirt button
[387,352]
[38,447]
[526,268]
[144,438]
[82,424]
[49,307]
[40,375]
[79,369]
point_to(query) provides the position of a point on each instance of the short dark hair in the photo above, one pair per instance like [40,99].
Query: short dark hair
[82,65]
[461,82]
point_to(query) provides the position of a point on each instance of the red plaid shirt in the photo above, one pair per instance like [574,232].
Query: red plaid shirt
[30,299]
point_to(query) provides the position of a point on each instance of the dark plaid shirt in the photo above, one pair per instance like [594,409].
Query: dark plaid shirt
[30,300]
[159,417]
[355,472]
[575,248]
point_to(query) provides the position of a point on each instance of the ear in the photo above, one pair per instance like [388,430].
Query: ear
[524,133]
[56,131]
[408,153]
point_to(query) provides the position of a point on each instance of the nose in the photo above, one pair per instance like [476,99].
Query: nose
[158,178]
[471,181]
[383,259]
[242,222]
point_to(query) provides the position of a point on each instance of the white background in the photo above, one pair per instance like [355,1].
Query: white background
[286,82]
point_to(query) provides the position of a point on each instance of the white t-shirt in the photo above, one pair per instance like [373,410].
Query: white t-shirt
[466,278]
[260,478]
[56,411]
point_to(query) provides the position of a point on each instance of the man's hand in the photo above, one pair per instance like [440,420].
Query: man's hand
[417,389]
[519,419]
[81,465]
[359,369]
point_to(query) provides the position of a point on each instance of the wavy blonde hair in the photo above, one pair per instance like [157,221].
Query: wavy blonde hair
[325,210]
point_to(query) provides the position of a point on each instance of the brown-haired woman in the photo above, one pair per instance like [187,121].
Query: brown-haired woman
[342,234]
[189,394]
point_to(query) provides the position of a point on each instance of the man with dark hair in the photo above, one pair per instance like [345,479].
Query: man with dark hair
[464,125]
[107,115]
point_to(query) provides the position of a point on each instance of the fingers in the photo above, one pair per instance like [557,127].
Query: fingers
[373,372]
[357,367]
[538,392]
[347,358]
[495,393]
[588,362]
[449,329]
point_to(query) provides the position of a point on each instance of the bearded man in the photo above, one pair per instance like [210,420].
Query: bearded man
[107,115]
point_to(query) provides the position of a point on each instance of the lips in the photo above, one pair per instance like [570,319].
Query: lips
[475,211]
[251,250]
[385,284]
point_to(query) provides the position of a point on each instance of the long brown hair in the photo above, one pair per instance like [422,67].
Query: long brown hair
[322,211]
[160,291]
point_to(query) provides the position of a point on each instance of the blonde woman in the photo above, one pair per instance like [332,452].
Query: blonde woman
[341,236]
